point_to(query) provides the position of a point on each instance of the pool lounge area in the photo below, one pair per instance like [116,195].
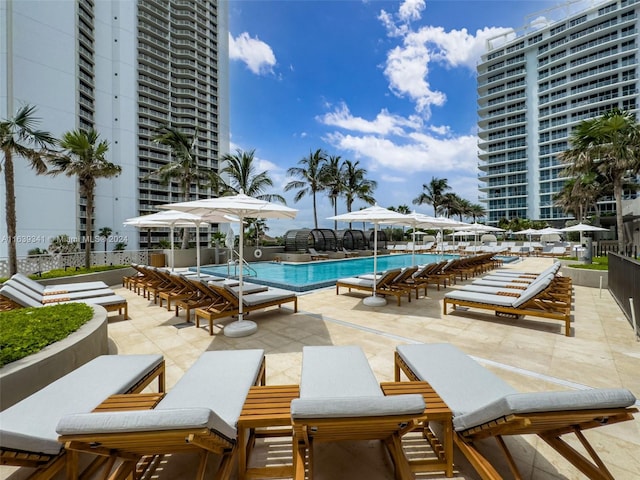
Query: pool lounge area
[307,276]
[529,355]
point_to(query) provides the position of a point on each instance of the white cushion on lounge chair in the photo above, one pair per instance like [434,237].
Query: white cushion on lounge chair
[461,376]
[503,301]
[546,402]
[143,421]
[337,371]
[19,297]
[30,425]
[344,407]
[265,296]
[211,382]
[67,287]
[362,281]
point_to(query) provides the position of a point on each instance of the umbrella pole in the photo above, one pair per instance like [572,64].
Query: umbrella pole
[374,301]
[413,247]
[172,258]
[241,327]
[198,247]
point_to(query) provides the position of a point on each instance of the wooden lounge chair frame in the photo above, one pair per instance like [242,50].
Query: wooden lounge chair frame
[549,426]
[550,304]
[140,452]
[385,285]
[48,466]
[227,305]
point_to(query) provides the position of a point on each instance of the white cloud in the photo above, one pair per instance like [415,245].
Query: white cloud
[421,153]
[255,53]
[411,10]
[384,123]
[408,65]
[392,179]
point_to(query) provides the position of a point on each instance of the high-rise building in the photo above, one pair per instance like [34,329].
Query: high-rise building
[124,68]
[535,85]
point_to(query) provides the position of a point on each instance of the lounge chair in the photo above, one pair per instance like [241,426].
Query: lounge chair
[111,303]
[485,406]
[52,297]
[199,414]
[340,399]
[350,254]
[315,255]
[384,284]
[59,288]
[539,299]
[28,435]
[226,304]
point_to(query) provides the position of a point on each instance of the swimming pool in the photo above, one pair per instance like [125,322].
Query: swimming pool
[302,277]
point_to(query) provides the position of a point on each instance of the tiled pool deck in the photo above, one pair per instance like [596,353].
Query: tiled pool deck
[531,354]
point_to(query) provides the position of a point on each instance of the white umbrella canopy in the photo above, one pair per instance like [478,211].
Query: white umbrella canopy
[171,219]
[413,220]
[242,206]
[583,227]
[476,228]
[375,215]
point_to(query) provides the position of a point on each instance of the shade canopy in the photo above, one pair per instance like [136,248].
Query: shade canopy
[375,215]
[583,227]
[549,231]
[242,206]
[172,219]
[479,228]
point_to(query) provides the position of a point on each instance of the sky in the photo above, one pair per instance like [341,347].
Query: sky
[390,84]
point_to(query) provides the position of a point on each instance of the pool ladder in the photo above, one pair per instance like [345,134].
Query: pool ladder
[233,264]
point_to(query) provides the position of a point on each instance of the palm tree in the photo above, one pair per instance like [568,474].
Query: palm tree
[433,193]
[357,185]
[185,169]
[243,177]
[610,146]
[332,179]
[85,158]
[104,232]
[18,136]
[476,211]
[309,179]
[241,170]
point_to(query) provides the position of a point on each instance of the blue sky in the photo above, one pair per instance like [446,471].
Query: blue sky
[390,84]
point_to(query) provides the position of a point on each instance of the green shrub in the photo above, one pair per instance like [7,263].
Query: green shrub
[71,271]
[25,331]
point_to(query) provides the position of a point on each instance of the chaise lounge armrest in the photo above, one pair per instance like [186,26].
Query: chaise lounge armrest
[369,406]
[144,421]
[537,402]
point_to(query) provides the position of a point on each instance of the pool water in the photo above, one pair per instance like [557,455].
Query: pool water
[302,277]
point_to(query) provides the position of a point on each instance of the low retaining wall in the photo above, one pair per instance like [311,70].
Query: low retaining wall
[23,377]
[586,278]
[110,277]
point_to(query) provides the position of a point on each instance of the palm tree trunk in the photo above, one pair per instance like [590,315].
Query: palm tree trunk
[617,192]
[89,230]
[335,213]
[315,212]
[11,212]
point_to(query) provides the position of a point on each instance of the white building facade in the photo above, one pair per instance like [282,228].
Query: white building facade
[535,86]
[124,68]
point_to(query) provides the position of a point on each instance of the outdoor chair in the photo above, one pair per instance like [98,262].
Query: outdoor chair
[111,303]
[28,435]
[539,299]
[484,406]
[199,414]
[340,399]
[384,284]
[60,288]
[315,255]
[52,297]
[226,304]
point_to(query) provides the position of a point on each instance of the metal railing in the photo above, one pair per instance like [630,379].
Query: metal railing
[37,264]
[624,285]
[247,269]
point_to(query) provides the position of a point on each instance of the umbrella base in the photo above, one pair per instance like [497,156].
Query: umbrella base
[240,328]
[374,301]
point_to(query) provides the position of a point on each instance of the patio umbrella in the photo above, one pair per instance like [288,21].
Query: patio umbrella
[375,215]
[171,219]
[583,227]
[479,228]
[527,231]
[413,220]
[242,206]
